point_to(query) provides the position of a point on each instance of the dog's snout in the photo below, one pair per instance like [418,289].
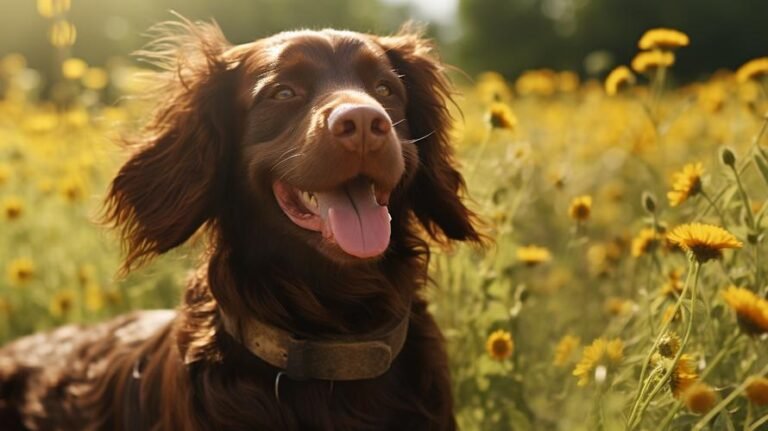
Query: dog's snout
[359,128]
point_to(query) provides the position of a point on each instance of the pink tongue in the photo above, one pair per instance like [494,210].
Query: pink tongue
[359,224]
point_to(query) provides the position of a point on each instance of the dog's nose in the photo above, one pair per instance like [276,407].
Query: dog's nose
[359,128]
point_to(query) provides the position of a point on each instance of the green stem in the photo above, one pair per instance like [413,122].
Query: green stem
[744,199]
[712,204]
[639,415]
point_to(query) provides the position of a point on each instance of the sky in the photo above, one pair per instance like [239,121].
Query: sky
[443,11]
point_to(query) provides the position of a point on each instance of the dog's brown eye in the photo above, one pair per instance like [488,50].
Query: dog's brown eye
[383,90]
[284,93]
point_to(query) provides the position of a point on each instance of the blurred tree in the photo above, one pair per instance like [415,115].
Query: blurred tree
[513,35]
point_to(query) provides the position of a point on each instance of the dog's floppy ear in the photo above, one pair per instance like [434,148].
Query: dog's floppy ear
[435,194]
[166,190]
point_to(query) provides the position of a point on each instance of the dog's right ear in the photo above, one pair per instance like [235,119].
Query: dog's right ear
[167,189]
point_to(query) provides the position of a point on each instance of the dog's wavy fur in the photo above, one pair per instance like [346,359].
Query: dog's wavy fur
[185,175]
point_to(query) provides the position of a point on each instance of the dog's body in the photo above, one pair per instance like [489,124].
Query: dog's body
[358,120]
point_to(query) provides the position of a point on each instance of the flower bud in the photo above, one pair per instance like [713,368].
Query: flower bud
[728,157]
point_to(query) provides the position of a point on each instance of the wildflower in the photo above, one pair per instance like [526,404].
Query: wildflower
[533,255]
[753,70]
[72,189]
[13,208]
[669,345]
[683,376]
[565,348]
[62,34]
[670,314]
[95,78]
[617,306]
[645,242]
[618,79]
[663,38]
[94,297]
[757,390]
[500,345]
[600,353]
[62,303]
[649,202]
[5,174]
[581,207]
[704,241]
[699,398]
[567,81]
[673,286]
[500,116]
[728,157]
[651,60]
[51,8]
[73,68]
[20,271]
[685,183]
[537,82]
[751,310]
[492,87]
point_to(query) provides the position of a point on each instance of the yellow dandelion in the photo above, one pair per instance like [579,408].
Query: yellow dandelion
[686,183]
[699,398]
[600,353]
[619,78]
[500,116]
[651,60]
[13,207]
[704,241]
[753,70]
[62,303]
[533,255]
[564,349]
[581,207]
[663,38]
[73,68]
[20,271]
[683,376]
[751,310]
[673,285]
[500,345]
[757,390]
[646,242]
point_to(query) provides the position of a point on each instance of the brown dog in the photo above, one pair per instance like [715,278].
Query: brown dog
[318,164]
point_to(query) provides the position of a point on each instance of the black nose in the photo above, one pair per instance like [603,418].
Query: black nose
[359,128]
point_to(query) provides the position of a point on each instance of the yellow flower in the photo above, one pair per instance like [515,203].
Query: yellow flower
[617,306]
[757,390]
[20,271]
[683,376]
[13,207]
[567,81]
[5,174]
[62,303]
[51,8]
[600,353]
[663,38]
[699,398]
[62,34]
[492,87]
[751,310]
[565,348]
[753,70]
[619,78]
[500,345]
[704,241]
[533,255]
[669,345]
[649,60]
[645,242]
[685,183]
[72,189]
[581,207]
[73,68]
[673,286]
[500,116]
[537,82]
[95,78]
[94,297]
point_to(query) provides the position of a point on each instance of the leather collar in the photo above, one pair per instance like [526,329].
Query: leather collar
[346,358]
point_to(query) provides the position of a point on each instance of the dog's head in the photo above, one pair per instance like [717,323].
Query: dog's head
[333,139]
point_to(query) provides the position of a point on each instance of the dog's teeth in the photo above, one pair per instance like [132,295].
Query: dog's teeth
[313,200]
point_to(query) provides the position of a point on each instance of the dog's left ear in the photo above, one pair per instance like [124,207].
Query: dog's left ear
[435,194]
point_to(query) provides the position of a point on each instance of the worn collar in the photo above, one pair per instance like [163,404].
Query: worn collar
[358,357]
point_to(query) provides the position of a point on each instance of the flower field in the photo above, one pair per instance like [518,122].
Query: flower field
[624,282]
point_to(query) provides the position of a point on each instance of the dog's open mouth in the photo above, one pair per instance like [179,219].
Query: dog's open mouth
[354,215]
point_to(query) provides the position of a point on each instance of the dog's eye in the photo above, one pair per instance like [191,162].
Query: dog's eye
[383,90]
[283,93]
